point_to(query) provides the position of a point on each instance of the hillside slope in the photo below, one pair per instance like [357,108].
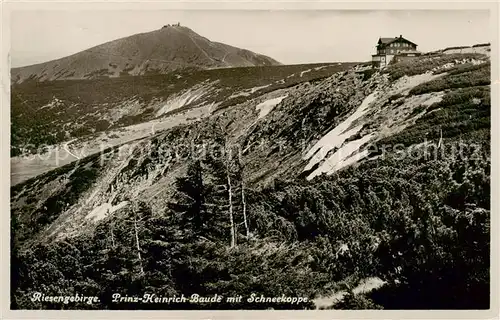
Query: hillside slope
[160,51]
[77,113]
[305,191]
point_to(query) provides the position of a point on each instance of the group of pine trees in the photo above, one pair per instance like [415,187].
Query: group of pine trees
[210,200]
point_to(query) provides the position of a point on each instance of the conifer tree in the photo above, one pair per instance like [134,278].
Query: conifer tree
[189,203]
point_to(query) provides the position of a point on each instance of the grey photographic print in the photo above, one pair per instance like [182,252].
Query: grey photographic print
[250,159]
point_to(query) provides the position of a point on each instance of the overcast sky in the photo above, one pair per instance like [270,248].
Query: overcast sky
[287,36]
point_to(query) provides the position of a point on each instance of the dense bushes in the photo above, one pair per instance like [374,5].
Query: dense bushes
[461,113]
[456,47]
[457,78]
[481,45]
[408,222]
[425,63]
[465,67]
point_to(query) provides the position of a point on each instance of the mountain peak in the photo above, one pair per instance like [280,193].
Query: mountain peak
[169,48]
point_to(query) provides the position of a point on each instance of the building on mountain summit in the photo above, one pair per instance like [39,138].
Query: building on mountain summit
[178,24]
[393,50]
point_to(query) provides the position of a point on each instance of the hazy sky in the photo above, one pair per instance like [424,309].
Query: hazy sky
[287,36]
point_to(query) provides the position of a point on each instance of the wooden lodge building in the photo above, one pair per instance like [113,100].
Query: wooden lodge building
[397,49]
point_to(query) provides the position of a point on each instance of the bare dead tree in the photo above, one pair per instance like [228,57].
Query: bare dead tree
[230,195]
[229,186]
[112,237]
[440,138]
[137,242]
[243,200]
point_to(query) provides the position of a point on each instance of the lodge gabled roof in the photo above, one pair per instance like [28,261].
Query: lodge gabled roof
[386,41]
